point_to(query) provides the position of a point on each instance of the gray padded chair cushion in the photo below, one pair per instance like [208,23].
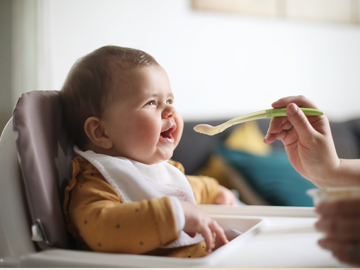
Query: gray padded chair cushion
[44,157]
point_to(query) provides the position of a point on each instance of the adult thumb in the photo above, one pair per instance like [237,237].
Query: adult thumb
[299,121]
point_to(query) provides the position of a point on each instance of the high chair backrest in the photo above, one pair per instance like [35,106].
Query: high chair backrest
[44,154]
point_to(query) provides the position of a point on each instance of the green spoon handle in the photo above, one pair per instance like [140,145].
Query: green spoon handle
[282,112]
[271,113]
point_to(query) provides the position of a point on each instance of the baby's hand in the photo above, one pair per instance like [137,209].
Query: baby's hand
[225,197]
[197,221]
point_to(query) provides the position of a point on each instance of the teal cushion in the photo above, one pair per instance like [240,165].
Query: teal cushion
[271,176]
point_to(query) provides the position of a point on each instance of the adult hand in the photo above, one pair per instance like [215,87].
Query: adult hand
[197,221]
[340,221]
[309,144]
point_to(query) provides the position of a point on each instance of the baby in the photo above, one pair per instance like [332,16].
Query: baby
[126,194]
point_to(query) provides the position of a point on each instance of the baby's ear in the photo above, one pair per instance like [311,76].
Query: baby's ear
[96,134]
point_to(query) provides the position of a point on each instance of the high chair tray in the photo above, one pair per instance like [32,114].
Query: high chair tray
[273,237]
[288,241]
[248,226]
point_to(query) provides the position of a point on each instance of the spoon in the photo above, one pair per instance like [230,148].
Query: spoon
[210,130]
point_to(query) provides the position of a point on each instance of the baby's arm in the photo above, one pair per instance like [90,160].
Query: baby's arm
[108,225]
[208,191]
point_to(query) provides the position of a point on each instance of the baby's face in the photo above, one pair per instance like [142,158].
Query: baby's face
[140,119]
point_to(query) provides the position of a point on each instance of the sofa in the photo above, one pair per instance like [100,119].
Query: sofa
[258,178]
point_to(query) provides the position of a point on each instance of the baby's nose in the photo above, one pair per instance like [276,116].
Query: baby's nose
[168,112]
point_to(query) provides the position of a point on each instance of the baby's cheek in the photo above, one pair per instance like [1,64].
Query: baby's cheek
[177,138]
[179,129]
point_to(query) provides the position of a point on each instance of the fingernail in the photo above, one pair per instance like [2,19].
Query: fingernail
[292,109]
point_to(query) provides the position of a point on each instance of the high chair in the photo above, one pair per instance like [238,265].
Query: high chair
[35,167]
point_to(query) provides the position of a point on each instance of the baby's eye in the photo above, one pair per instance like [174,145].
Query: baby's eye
[169,101]
[151,102]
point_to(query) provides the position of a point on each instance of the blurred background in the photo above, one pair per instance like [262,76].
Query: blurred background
[224,57]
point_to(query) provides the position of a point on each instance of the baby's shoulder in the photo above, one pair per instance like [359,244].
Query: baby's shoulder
[82,168]
[82,164]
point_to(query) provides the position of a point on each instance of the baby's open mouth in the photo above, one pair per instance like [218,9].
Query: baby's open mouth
[167,134]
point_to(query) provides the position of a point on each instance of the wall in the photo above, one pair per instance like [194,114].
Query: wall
[5,62]
[23,51]
[219,65]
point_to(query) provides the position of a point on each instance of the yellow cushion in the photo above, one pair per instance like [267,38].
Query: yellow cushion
[248,138]
[215,168]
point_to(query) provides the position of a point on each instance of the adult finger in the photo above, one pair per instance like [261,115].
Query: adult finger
[340,208]
[300,122]
[344,229]
[300,100]
[275,127]
[348,252]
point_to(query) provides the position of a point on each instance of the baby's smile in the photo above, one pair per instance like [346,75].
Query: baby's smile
[166,134]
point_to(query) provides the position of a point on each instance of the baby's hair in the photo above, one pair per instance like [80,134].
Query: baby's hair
[89,82]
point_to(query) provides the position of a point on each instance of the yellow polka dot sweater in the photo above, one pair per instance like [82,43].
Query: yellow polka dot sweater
[99,221]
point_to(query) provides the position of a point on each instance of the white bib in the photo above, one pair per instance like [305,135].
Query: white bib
[135,181]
